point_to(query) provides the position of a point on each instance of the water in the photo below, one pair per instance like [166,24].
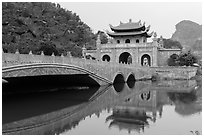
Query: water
[143,107]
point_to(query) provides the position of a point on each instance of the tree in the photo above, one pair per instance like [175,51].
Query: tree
[43,26]
[171,44]
[103,37]
[184,59]
[173,60]
[187,59]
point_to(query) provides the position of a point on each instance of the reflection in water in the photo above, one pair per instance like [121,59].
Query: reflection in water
[130,119]
[119,87]
[135,109]
[185,103]
[131,84]
[22,106]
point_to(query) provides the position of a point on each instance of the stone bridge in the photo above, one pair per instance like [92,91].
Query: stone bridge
[26,65]
[21,65]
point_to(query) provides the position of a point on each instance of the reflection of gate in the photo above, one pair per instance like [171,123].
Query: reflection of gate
[146,60]
[145,96]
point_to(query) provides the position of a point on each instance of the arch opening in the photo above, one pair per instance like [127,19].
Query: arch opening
[119,83]
[106,58]
[118,41]
[137,41]
[126,58]
[119,79]
[131,81]
[145,60]
[127,41]
[119,87]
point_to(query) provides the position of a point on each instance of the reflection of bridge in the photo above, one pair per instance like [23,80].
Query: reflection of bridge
[129,99]
[25,65]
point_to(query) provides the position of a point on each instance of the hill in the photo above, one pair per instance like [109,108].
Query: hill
[43,26]
[189,34]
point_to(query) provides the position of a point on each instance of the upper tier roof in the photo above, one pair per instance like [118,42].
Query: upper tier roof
[142,33]
[134,26]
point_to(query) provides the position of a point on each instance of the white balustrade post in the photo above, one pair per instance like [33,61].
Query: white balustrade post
[17,56]
[53,57]
[42,53]
[30,53]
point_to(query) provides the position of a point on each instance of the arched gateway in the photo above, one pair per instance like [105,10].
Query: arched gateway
[125,57]
[132,37]
[145,60]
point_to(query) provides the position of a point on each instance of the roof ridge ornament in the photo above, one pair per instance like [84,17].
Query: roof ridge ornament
[148,28]
[144,23]
[139,22]
[121,22]
[151,33]
[130,20]
[155,34]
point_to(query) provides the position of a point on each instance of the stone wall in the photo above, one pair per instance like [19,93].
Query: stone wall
[176,73]
[164,54]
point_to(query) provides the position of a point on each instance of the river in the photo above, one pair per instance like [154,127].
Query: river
[142,107]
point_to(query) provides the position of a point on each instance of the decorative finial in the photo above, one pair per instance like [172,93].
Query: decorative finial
[155,34]
[130,20]
[121,23]
[98,41]
[144,23]
[161,41]
[139,22]
[148,28]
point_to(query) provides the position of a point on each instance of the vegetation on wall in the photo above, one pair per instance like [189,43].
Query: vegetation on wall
[184,59]
[171,44]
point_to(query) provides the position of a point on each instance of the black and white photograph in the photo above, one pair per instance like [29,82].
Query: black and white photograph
[101,68]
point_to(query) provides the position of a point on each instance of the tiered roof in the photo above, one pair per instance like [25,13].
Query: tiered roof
[130,29]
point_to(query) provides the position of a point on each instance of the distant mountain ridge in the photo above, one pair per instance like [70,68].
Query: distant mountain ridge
[189,34]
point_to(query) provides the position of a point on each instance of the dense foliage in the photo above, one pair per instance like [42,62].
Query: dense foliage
[43,26]
[171,44]
[184,59]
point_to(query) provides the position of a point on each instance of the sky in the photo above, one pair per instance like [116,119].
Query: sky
[161,16]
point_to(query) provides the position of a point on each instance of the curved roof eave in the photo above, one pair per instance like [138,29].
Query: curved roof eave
[117,28]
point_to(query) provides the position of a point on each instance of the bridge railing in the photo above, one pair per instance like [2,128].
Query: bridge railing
[9,59]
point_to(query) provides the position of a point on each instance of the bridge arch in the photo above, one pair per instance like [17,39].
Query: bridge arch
[130,77]
[39,69]
[131,80]
[119,78]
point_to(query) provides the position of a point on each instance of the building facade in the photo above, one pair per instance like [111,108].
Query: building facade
[130,46]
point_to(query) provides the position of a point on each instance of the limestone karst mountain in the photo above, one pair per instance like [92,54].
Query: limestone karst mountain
[189,34]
